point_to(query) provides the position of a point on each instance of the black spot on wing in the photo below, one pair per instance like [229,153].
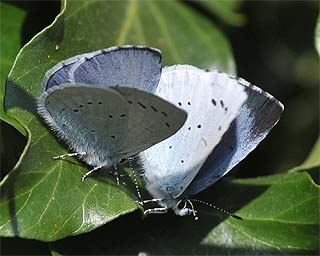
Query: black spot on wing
[141,105]
[154,109]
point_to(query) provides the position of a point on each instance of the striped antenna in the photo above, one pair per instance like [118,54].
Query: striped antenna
[217,208]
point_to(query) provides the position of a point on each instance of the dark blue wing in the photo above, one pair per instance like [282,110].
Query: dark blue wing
[132,66]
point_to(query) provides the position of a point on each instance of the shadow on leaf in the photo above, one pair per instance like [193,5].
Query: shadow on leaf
[165,234]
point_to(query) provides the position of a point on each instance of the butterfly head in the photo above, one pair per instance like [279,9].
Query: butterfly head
[185,207]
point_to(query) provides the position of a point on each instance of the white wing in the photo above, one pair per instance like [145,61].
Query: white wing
[257,116]
[212,102]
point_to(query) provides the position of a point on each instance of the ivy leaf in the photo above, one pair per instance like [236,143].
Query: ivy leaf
[312,161]
[317,35]
[12,19]
[44,199]
[227,11]
[280,212]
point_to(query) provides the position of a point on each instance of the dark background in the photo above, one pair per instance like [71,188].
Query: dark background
[274,49]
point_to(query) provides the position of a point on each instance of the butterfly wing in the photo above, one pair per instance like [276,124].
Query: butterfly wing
[212,103]
[106,124]
[257,116]
[131,66]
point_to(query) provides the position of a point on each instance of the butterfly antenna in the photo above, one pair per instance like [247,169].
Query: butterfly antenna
[193,211]
[217,208]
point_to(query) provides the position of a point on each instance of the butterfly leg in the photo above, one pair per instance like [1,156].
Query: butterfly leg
[70,154]
[137,187]
[89,172]
[132,175]
[129,160]
[116,174]
[161,210]
[150,200]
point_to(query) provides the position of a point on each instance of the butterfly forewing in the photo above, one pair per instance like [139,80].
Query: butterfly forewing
[152,119]
[88,118]
[106,124]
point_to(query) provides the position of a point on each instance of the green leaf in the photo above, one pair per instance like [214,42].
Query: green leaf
[280,212]
[317,35]
[312,161]
[44,199]
[12,19]
[226,10]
